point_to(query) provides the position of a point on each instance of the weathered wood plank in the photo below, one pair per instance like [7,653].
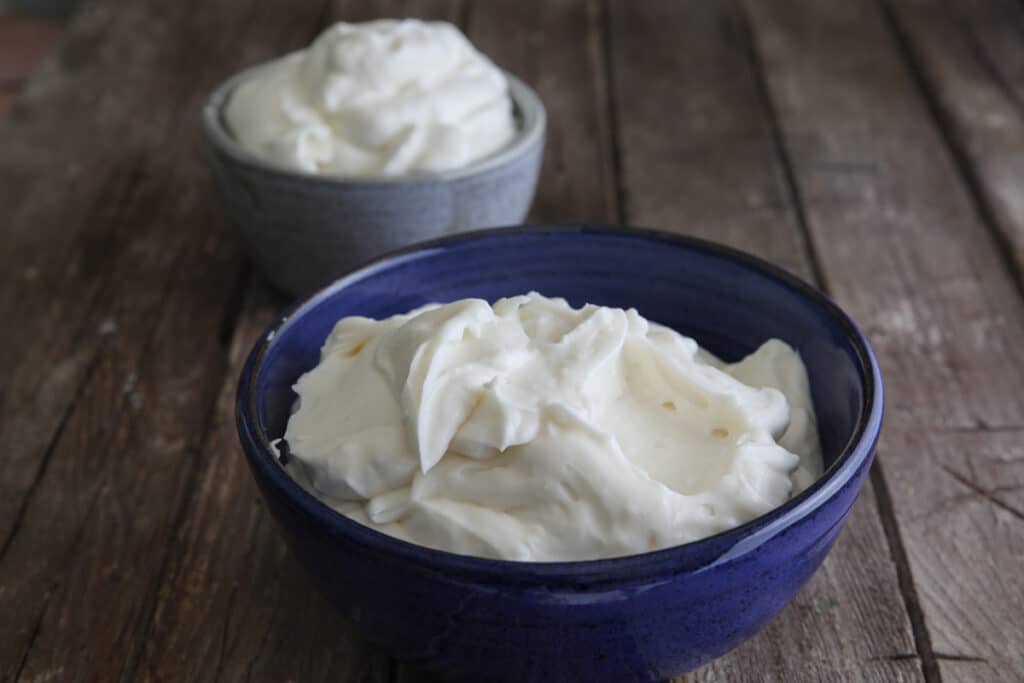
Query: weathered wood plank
[555,47]
[968,531]
[971,66]
[133,273]
[51,275]
[700,156]
[76,227]
[90,547]
[235,604]
[993,28]
[698,152]
[906,252]
[872,165]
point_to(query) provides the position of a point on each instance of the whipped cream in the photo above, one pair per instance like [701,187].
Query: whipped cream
[534,431]
[382,98]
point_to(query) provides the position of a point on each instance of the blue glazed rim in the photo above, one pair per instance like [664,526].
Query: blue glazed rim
[603,574]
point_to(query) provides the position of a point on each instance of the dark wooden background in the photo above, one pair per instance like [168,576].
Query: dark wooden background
[875,147]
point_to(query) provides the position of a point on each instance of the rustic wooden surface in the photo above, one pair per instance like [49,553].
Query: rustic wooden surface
[872,146]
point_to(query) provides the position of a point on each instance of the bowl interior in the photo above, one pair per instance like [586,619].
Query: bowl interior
[728,302]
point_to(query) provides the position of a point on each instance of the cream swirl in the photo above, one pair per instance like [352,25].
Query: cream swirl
[382,98]
[534,431]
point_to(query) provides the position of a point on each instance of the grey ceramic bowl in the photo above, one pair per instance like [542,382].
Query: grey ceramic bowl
[303,230]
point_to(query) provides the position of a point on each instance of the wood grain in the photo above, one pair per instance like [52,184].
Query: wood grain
[873,147]
[556,48]
[77,224]
[235,605]
[57,256]
[971,67]
[712,168]
[967,524]
[698,150]
[908,255]
[118,358]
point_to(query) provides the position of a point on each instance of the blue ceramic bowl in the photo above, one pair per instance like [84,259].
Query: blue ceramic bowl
[640,618]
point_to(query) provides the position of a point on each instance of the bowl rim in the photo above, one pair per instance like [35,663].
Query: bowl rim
[598,573]
[527,105]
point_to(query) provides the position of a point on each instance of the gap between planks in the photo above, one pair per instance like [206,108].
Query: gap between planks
[48,454]
[904,575]
[233,310]
[709,126]
[602,61]
[227,324]
[961,159]
[942,149]
[883,495]
[974,184]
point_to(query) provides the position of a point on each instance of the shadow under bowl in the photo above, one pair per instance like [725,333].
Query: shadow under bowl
[302,230]
[640,618]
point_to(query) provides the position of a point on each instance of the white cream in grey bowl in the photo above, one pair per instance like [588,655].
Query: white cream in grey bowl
[376,136]
[385,98]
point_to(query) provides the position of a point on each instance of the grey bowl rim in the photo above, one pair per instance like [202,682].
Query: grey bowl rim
[525,100]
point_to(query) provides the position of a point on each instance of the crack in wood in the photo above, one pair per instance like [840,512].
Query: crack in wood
[982,428]
[51,448]
[792,187]
[959,658]
[947,504]
[224,633]
[120,185]
[957,149]
[987,494]
[904,577]
[227,330]
[191,478]
[251,663]
[73,551]
[605,78]
[233,306]
[988,66]
[31,641]
[898,657]
[181,513]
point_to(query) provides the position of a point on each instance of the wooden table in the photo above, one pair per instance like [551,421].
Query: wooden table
[875,148]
